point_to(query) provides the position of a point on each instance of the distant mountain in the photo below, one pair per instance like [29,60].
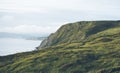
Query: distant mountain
[23,36]
[11,35]
[80,47]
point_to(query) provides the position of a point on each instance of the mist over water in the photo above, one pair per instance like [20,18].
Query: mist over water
[11,46]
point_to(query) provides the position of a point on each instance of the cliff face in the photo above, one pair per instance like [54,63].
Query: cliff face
[77,32]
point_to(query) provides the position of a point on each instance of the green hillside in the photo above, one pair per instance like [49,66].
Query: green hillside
[78,32]
[80,47]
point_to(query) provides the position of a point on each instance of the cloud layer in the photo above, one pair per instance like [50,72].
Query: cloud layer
[45,16]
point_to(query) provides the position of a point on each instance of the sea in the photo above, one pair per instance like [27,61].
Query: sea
[10,46]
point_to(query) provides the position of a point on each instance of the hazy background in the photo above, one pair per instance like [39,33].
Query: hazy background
[45,16]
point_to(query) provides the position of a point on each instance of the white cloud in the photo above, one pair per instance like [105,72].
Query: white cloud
[24,10]
[29,29]
[47,14]
[46,5]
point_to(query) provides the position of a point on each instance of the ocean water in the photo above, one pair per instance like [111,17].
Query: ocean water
[11,45]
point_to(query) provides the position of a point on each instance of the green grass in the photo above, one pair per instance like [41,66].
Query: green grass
[98,52]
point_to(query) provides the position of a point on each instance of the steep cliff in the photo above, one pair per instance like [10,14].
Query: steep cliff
[77,32]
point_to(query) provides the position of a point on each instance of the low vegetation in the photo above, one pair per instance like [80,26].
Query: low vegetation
[81,47]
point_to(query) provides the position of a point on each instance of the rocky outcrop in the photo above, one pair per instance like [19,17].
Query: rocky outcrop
[46,42]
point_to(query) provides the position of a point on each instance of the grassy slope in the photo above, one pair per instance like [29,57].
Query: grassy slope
[99,53]
[78,32]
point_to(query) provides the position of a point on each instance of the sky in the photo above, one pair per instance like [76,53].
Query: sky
[46,16]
